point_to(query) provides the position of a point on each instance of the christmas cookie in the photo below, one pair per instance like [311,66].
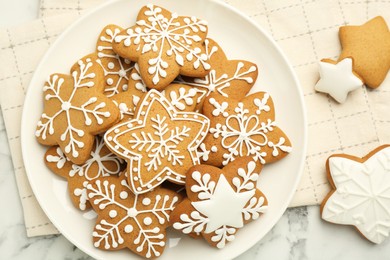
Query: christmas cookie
[159,144]
[182,97]
[338,78]
[227,78]
[75,109]
[102,162]
[242,128]
[116,69]
[220,201]
[369,46]
[126,220]
[164,45]
[360,193]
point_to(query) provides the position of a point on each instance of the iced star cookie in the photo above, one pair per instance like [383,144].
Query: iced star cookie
[228,78]
[338,78]
[116,69]
[220,201]
[360,193]
[159,143]
[126,220]
[242,128]
[369,46]
[75,109]
[101,163]
[164,45]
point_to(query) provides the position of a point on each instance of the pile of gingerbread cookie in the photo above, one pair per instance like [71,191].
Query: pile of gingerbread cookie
[155,129]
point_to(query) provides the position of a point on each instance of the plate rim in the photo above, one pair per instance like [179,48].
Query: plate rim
[284,58]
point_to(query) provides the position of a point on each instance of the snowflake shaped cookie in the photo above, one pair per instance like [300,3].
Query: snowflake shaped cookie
[75,110]
[228,78]
[116,69]
[101,163]
[137,222]
[164,45]
[220,201]
[242,128]
[159,144]
[361,193]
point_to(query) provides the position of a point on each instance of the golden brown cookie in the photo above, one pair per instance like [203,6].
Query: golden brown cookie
[101,163]
[75,109]
[243,128]
[360,194]
[228,78]
[126,220]
[159,143]
[369,46]
[220,201]
[164,45]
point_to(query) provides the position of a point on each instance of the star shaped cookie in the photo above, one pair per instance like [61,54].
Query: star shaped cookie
[228,78]
[360,193]
[220,201]
[243,127]
[75,109]
[159,143]
[337,79]
[127,220]
[164,45]
[369,46]
[101,163]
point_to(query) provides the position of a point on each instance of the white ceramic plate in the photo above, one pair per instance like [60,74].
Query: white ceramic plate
[241,39]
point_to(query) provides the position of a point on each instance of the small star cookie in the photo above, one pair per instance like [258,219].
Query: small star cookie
[220,201]
[338,79]
[369,46]
[164,45]
[228,78]
[360,193]
[101,163]
[159,143]
[75,109]
[242,128]
[137,222]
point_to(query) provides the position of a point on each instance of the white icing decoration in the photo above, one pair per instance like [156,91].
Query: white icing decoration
[222,208]
[60,159]
[96,158]
[123,195]
[158,33]
[52,90]
[146,201]
[362,196]
[160,142]
[102,193]
[113,213]
[184,98]
[251,134]
[121,70]
[82,193]
[337,79]
[211,83]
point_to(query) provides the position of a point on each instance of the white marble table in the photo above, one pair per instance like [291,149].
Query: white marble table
[300,233]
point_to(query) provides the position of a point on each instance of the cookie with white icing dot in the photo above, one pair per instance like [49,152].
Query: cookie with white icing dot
[164,45]
[220,201]
[360,194]
[101,163]
[126,220]
[75,109]
[243,127]
[116,69]
[160,143]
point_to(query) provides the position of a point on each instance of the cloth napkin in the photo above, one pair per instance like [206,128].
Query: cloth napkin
[305,30]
